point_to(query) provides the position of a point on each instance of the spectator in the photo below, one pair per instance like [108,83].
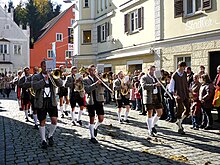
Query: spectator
[216,101]
[206,95]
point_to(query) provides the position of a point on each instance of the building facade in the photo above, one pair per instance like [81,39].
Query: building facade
[132,34]
[14,43]
[59,31]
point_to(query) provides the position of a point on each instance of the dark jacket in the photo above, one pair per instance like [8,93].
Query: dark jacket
[206,93]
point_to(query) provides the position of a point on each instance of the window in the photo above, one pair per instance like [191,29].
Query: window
[106,4]
[190,7]
[134,21]
[98,5]
[69,54]
[72,22]
[103,32]
[7,26]
[17,49]
[193,6]
[103,5]
[187,59]
[4,49]
[87,36]
[59,37]
[49,54]
[86,3]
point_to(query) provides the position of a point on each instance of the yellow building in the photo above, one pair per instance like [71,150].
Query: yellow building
[117,33]
[132,34]
[191,33]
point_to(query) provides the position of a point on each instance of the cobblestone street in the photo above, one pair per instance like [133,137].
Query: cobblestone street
[118,143]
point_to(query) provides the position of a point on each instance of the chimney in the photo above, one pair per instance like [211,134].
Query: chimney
[12,13]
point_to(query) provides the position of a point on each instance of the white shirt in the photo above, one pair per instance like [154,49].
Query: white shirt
[155,91]
[47,92]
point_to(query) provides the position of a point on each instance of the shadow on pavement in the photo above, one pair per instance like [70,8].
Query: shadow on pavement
[22,146]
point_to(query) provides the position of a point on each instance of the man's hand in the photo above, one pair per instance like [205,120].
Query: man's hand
[157,84]
[98,82]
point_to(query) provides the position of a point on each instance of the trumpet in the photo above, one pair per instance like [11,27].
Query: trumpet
[125,86]
[32,92]
[107,87]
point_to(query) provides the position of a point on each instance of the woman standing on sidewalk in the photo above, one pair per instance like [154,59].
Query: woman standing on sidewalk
[206,95]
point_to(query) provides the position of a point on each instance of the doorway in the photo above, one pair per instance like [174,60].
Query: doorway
[214,62]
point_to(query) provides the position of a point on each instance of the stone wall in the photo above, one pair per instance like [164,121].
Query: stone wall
[199,53]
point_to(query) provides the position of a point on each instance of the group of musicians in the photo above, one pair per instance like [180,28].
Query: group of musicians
[39,91]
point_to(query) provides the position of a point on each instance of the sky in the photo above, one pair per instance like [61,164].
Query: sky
[15,2]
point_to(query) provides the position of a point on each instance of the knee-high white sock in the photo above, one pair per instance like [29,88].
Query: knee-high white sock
[52,130]
[26,113]
[35,118]
[61,109]
[73,115]
[91,130]
[79,115]
[182,118]
[42,133]
[19,103]
[119,116]
[149,124]
[126,115]
[155,119]
[97,124]
[31,112]
[66,106]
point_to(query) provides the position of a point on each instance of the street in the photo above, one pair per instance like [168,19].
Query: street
[118,143]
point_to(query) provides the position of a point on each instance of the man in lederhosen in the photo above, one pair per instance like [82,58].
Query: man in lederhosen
[152,99]
[63,94]
[34,109]
[45,102]
[76,95]
[122,99]
[24,83]
[94,101]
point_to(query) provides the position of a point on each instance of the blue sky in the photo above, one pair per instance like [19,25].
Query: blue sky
[15,2]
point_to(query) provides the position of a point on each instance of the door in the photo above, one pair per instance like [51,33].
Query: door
[214,62]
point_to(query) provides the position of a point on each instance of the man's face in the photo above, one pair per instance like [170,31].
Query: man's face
[121,75]
[152,71]
[62,69]
[36,69]
[92,71]
[74,71]
[27,71]
[43,67]
[195,79]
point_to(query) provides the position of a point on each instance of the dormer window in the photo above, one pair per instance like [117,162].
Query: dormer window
[86,3]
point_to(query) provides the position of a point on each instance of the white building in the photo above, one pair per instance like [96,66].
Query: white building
[14,43]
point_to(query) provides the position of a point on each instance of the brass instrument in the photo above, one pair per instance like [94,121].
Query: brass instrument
[32,92]
[107,87]
[54,75]
[125,86]
[78,83]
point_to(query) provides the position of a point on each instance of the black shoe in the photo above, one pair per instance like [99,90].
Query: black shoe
[218,120]
[93,140]
[36,127]
[79,122]
[180,131]
[66,113]
[50,141]
[152,134]
[202,126]
[127,121]
[44,145]
[20,109]
[208,128]
[62,116]
[95,132]
[121,121]
[167,119]
[74,123]
[154,130]
[31,116]
[27,120]
[172,120]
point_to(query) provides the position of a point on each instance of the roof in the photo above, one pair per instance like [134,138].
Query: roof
[49,25]
[4,40]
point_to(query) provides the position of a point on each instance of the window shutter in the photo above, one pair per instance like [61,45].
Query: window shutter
[99,33]
[207,4]
[106,29]
[178,8]
[141,18]
[126,21]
